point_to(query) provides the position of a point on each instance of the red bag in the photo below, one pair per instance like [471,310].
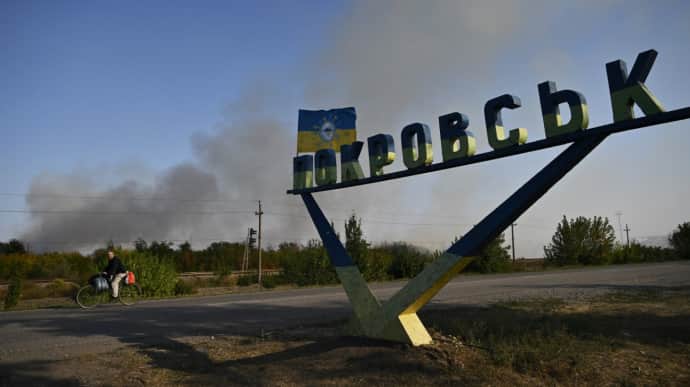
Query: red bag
[130,278]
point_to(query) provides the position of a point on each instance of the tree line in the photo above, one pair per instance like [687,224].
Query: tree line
[592,241]
[577,241]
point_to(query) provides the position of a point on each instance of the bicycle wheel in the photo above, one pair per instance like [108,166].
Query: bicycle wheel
[129,294]
[88,297]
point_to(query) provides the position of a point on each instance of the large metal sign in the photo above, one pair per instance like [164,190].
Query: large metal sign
[396,319]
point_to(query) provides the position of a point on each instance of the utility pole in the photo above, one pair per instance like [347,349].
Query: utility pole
[259,213]
[620,225]
[512,236]
[627,234]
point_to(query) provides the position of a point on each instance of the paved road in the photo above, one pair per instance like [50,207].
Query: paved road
[58,333]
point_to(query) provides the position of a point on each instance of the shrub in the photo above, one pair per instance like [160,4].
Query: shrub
[493,258]
[581,241]
[268,282]
[183,288]
[308,265]
[640,253]
[155,275]
[247,280]
[680,241]
[73,266]
[407,260]
[12,264]
[279,279]
[14,292]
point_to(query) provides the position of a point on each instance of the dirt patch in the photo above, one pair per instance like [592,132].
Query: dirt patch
[632,338]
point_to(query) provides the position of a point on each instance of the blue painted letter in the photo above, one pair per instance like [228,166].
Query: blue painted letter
[350,169]
[628,90]
[456,141]
[325,166]
[381,153]
[494,123]
[550,98]
[423,154]
[302,171]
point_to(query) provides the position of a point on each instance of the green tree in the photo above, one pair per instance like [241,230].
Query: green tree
[14,292]
[162,249]
[306,265]
[140,245]
[493,258]
[680,241]
[581,241]
[407,260]
[378,265]
[14,246]
[223,257]
[355,244]
[16,285]
[185,261]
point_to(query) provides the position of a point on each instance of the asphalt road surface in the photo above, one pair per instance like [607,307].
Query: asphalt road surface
[52,334]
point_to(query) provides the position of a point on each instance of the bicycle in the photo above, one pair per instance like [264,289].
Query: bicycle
[98,291]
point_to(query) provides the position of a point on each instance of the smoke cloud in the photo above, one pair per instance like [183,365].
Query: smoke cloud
[68,214]
[397,62]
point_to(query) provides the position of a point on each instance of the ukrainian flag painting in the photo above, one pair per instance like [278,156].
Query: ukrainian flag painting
[321,129]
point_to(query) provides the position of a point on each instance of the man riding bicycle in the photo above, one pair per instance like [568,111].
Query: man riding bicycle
[114,272]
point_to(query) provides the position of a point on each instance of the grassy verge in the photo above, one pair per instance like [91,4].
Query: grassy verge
[60,293]
[631,338]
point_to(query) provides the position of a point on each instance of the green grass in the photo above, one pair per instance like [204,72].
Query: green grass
[556,340]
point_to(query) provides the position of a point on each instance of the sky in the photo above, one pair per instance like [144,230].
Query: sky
[168,120]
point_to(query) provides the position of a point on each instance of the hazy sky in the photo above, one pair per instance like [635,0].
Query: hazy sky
[167,120]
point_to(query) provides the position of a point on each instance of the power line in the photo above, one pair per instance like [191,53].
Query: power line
[370,220]
[117,240]
[221,212]
[232,211]
[124,198]
[236,241]
[91,212]
[248,212]
[219,200]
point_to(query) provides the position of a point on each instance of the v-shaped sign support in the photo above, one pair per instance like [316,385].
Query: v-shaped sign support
[396,319]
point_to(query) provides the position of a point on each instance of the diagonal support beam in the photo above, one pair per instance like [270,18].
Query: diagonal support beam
[431,280]
[366,306]
[396,319]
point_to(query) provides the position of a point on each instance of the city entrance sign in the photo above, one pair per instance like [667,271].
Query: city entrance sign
[396,319]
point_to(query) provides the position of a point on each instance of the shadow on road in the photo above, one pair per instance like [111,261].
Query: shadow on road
[153,329]
[34,373]
[156,333]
